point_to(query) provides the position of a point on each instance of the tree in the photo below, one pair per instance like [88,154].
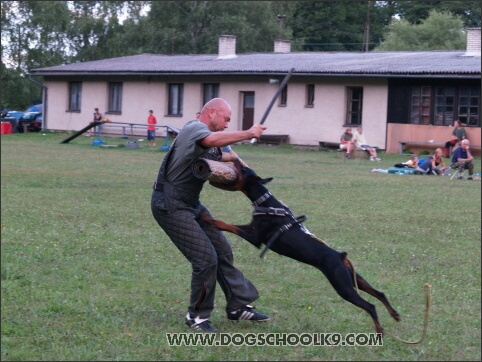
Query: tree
[416,12]
[340,25]
[193,27]
[440,31]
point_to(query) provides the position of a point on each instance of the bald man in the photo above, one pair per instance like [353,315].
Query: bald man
[177,209]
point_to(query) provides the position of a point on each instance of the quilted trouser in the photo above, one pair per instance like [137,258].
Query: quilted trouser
[210,254]
[464,165]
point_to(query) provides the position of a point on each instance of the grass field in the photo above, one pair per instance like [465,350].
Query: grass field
[86,273]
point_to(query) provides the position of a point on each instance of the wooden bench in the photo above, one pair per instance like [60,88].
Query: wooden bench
[433,145]
[354,154]
[421,145]
[274,139]
[324,144]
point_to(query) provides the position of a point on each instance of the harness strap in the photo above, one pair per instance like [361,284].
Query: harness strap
[284,228]
[263,198]
[258,210]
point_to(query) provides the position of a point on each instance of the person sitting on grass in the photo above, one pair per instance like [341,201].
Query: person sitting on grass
[411,163]
[427,166]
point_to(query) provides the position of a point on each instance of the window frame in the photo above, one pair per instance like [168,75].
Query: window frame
[310,95]
[210,91]
[441,105]
[115,98]
[175,110]
[354,107]
[283,98]
[75,91]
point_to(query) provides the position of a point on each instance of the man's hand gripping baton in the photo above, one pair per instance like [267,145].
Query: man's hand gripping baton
[278,91]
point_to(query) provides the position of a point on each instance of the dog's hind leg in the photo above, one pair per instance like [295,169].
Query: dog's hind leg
[367,288]
[340,278]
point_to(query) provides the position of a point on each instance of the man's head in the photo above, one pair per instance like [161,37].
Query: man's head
[465,144]
[216,114]
[96,110]
[348,130]
[456,123]
[359,129]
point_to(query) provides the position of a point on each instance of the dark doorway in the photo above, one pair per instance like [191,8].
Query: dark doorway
[248,110]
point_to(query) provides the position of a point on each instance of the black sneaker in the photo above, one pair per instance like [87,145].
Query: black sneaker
[247,313]
[204,326]
[460,178]
[470,178]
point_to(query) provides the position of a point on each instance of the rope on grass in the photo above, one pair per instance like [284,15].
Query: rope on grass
[428,299]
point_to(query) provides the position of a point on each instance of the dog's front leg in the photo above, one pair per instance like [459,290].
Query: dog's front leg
[244,231]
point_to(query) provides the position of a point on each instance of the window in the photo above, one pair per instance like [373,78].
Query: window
[469,106]
[175,106]
[354,106]
[115,97]
[75,96]
[447,103]
[444,106]
[420,105]
[310,95]
[210,91]
[284,97]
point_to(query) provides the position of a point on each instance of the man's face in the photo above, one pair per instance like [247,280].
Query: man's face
[221,119]
[465,145]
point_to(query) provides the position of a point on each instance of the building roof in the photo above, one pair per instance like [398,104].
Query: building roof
[438,64]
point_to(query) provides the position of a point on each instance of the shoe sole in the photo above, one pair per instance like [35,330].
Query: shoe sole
[248,320]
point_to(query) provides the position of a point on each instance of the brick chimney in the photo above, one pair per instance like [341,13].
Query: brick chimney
[282,46]
[473,42]
[227,47]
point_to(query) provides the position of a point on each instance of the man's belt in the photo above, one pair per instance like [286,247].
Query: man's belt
[158,186]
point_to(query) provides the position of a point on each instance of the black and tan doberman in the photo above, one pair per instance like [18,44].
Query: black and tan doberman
[274,225]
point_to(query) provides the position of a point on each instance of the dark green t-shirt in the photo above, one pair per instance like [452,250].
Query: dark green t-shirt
[185,150]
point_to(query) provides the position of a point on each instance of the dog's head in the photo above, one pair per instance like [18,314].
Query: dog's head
[246,179]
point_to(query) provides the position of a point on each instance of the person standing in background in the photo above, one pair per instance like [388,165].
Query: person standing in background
[151,129]
[97,118]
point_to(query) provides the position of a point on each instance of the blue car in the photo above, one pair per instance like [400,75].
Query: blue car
[31,120]
[15,114]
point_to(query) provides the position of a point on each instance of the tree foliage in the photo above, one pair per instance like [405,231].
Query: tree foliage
[44,33]
[339,25]
[438,31]
[416,12]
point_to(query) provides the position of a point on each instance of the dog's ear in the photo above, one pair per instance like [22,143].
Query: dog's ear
[265,180]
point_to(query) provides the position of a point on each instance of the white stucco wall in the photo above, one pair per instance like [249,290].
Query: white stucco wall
[305,126]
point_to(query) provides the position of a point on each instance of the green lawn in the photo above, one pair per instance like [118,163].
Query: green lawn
[88,275]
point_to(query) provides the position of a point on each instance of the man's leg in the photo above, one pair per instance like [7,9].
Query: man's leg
[239,291]
[469,165]
[190,239]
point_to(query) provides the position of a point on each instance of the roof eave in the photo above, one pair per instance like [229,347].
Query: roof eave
[257,73]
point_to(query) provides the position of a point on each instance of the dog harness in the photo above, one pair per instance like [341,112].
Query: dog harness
[277,211]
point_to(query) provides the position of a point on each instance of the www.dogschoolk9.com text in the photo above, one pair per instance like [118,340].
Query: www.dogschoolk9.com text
[274,339]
